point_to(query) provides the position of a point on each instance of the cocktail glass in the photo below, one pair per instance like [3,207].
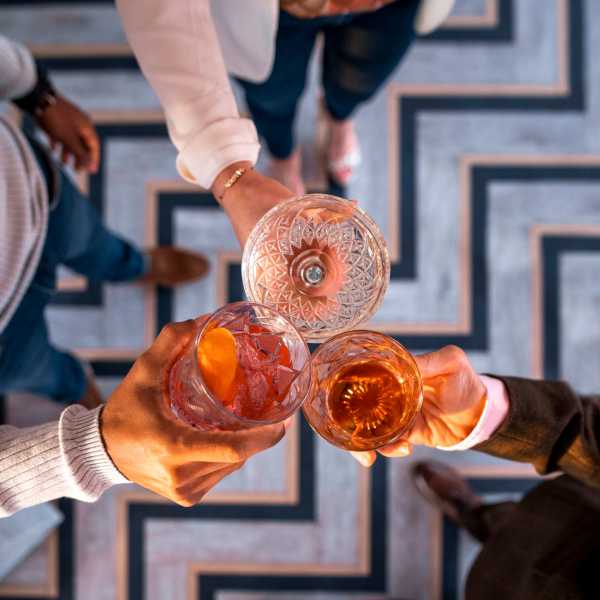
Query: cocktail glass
[366,391]
[320,261]
[246,367]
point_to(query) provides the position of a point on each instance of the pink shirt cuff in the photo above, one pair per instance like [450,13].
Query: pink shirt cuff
[494,412]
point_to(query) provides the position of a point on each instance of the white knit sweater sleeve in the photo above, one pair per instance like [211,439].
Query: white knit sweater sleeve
[63,458]
[17,69]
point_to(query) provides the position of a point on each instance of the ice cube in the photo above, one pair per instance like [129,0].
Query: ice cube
[259,398]
[269,345]
[282,378]
[237,324]
[249,356]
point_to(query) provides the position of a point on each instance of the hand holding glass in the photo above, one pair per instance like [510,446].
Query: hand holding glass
[246,367]
[366,391]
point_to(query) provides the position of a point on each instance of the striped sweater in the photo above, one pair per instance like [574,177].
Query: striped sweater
[64,458]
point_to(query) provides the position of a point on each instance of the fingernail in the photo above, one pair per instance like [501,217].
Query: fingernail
[364,459]
[402,451]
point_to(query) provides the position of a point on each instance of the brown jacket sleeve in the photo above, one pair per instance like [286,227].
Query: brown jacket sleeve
[551,427]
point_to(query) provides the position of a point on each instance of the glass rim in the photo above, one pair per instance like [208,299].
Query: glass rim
[218,404]
[319,336]
[398,346]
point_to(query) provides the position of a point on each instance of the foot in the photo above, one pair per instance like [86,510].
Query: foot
[339,147]
[92,398]
[170,266]
[445,488]
[288,171]
[342,149]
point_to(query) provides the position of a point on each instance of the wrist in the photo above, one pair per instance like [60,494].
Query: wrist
[488,415]
[84,451]
[41,97]
[104,430]
[219,188]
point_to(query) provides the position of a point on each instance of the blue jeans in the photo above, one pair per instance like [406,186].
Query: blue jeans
[360,51]
[76,238]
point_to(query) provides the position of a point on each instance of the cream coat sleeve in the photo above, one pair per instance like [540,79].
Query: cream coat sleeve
[177,47]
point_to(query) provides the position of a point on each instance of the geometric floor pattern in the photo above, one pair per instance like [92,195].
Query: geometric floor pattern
[482,167]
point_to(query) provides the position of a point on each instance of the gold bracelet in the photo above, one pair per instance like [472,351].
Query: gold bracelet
[235,177]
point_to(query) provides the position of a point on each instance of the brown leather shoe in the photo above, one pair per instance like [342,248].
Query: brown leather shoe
[444,487]
[170,266]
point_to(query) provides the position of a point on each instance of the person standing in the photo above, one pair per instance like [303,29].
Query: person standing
[546,546]
[45,221]
[186,48]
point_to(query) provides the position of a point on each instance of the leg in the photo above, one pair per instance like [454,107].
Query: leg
[78,239]
[360,56]
[29,363]
[273,103]
[357,59]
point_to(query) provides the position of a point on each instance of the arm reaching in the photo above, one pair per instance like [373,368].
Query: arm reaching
[176,45]
[551,427]
[134,438]
[64,458]
[27,85]
[539,422]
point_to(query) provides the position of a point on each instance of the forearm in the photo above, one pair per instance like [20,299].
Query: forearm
[551,427]
[176,45]
[63,458]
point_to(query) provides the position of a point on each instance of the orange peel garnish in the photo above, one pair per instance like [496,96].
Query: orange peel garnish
[217,359]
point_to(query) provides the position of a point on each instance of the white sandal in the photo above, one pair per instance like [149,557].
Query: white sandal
[333,167]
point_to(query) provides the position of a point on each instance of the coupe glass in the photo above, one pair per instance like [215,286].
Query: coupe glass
[245,367]
[320,261]
[366,391]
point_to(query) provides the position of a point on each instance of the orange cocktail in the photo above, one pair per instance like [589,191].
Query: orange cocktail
[245,368]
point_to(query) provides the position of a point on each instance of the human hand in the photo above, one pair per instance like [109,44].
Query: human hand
[454,398]
[151,447]
[68,126]
[252,196]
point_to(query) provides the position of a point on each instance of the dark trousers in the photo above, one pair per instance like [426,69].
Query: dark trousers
[360,51]
[77,238]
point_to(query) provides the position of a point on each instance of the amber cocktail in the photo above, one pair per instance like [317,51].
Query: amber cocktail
[245,368]
[366,391]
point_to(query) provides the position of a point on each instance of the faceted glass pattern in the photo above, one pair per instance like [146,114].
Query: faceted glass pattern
[320,261]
